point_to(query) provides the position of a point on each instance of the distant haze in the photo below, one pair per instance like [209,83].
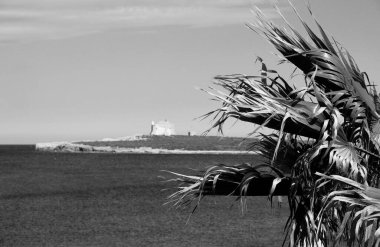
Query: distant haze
[74,70]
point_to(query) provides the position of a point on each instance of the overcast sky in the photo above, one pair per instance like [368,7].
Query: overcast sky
[88,69]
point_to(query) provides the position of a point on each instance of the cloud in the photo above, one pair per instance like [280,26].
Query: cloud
[26,20]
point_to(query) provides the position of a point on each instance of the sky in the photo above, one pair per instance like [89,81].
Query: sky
[89,69]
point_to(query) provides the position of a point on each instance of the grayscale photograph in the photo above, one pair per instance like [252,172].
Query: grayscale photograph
[181,123]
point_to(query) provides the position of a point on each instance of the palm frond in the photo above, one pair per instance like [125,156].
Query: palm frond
[337,69]
[324,154]
[238,180]
[247,99]
[360,223]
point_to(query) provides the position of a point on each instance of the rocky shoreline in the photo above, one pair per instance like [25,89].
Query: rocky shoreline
[83,148]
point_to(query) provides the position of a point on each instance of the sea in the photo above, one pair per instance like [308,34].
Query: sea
[105,199]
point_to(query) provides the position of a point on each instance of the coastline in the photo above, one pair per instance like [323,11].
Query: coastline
[68,147]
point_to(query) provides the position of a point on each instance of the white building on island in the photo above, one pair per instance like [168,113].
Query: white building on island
[162,128]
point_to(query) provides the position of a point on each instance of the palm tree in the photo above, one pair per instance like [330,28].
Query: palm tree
[324,151]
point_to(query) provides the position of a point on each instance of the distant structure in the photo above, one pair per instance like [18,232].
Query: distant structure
[191,133]
[162,128]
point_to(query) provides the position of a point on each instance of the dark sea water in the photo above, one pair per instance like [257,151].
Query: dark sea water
[79,199]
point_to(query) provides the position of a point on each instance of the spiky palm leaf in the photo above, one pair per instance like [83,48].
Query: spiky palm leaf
[359,215]
[330,127]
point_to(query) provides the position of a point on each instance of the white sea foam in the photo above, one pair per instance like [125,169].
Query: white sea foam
[125,138]
[80,148]
[149,150]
